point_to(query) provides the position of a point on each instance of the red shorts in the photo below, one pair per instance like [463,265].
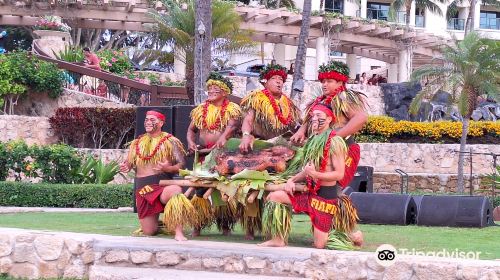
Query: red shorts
[320,210]
[351,164]
[148,200]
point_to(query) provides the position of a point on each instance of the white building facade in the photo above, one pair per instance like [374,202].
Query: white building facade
[486,22]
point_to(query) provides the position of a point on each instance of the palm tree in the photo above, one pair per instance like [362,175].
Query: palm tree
[178,28]
[397,5]
[302,48]
[471,69]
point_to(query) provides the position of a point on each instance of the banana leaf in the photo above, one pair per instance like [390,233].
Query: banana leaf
[233,145]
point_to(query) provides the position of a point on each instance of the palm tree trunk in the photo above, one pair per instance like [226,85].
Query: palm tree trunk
[408,12]
[321,5]
[202,43]
[302,48]
[461,156]
[190,84]
[469,25]
[278,4]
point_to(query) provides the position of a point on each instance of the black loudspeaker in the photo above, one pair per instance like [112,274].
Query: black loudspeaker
[182,119]
[384,208]
[363,179]
[141,115]
[455,211]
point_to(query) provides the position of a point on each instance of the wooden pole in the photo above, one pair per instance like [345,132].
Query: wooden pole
[187,183]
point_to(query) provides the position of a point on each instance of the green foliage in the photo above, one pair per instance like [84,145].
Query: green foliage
[70,54]
[114,61]
[337,66]
[59,195]
[57,163]
[218,77]
[95,171]
[53,163]
[271,67]
[20,71]
[178,26]
[472,65]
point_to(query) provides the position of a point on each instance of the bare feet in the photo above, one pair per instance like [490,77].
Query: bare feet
[249,235]
[179,235]
[273,243]
[196,232]
[357,238]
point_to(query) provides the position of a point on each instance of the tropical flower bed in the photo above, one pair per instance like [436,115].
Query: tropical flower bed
[386,129]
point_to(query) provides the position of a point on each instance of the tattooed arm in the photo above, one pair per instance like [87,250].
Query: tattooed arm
[177,163]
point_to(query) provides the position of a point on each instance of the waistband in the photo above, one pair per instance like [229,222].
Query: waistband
[151,180]
[328,192]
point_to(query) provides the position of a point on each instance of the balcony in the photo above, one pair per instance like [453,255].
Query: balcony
[489,23]
[456,24]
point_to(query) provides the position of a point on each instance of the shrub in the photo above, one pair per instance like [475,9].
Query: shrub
[97,127]
[52,195]
[387,128]
[114,61]
[70,54]
[20,71]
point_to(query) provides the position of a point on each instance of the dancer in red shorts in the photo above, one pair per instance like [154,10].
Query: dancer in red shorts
[155,156]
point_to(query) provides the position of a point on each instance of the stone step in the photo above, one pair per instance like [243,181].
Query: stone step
[100,272]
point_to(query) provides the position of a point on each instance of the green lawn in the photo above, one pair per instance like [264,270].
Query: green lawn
[420,238]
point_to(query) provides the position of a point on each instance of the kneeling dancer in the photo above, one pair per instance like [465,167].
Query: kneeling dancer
[156,156]
[324,163]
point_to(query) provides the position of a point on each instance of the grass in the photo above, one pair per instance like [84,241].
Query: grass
[424,239]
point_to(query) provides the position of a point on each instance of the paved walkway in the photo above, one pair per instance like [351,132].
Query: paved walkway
[11,210]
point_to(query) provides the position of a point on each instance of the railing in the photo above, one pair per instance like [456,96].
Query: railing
[456,24]
[111,86]
[489,23]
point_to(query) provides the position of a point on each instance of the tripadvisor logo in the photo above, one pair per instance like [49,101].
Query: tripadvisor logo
[386,255]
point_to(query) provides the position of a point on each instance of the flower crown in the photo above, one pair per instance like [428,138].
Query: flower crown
[336,70]
[271,70]
[218,80]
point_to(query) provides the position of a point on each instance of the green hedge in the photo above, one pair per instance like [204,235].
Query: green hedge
[65,195]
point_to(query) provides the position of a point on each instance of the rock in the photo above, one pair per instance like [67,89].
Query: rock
[281,267]
[25,238]
[255,263]
[442,97]
[24,252]
[435,271]
[477,114]
[74,271]
[5,245]
[116,256]
[24,270]
[299,267]
[191,264]
[48,270]
[73,246]
[212,262]
[87,256]
[167,258]
[49,248]
[469,272]
[399,270]
[5,265]
[139,257]
[233,265]
[400,113]
[397,98]
[64,259]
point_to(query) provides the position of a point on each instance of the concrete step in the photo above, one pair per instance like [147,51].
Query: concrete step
[100,272]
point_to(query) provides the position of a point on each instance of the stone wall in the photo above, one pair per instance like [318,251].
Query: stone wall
[424,158]
[384,182]
[37,254]
[34,130]
[39,104]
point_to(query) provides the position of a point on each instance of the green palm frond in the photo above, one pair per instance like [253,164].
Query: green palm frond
[473,63]
[430,5]
[178,27]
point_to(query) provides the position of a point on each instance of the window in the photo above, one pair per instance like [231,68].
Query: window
[378,11]
[336,53]
[336,6]
[489,20]
[419,17]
